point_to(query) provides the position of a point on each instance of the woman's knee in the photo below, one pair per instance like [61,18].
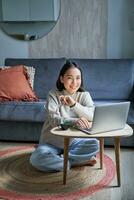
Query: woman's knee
[97,144]
[38,157]
[47,161]
[93,143]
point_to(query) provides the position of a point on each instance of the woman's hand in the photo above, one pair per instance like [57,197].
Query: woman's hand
[67,100]
[83,123]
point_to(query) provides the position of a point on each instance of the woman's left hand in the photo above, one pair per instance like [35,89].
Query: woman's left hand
[83,123]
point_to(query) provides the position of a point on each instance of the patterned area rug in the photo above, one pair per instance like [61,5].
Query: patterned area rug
[20,181]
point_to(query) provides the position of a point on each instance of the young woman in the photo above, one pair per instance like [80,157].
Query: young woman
[69,103]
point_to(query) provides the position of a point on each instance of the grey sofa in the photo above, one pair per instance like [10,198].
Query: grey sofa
[108,80]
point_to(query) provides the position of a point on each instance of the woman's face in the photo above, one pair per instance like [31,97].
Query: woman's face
[71,80]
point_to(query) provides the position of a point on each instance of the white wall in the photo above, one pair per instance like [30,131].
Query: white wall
[10,47]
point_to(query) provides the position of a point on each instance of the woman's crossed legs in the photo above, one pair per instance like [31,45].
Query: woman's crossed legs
[49,158]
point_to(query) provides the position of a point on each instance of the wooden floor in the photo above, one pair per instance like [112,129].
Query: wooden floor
[126,191]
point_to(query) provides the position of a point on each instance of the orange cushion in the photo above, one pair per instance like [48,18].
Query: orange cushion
[14,85]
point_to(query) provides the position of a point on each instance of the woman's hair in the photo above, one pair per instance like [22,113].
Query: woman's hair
[67,66]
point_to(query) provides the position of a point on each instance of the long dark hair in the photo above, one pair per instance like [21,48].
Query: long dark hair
[67,66]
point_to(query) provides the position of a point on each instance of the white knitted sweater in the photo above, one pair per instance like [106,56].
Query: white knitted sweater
[57,113]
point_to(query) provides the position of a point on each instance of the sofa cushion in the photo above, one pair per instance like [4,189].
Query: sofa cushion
[23,111]
[30,72]
[14,85]
[108,78]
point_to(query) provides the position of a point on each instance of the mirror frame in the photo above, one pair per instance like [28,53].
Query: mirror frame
[31,30]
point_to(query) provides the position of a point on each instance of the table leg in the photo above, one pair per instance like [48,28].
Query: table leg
[117,157]
[101,152]
[66,145]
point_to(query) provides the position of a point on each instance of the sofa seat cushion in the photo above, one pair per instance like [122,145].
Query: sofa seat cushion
[35,111]
[23,111]
[130,119]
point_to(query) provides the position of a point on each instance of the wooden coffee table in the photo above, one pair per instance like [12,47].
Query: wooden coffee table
[73,133]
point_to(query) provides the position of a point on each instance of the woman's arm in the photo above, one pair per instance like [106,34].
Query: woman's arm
[85,108]
[53,110]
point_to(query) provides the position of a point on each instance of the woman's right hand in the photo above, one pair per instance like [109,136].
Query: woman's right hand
[67,100]
[83,123]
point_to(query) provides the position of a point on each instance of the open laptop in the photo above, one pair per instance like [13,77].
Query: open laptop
[108,117]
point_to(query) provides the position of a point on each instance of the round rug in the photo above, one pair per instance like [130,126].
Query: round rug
[20,181]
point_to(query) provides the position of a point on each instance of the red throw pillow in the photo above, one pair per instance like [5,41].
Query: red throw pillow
[14,85]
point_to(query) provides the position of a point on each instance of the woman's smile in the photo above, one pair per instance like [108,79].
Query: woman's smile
[71,80]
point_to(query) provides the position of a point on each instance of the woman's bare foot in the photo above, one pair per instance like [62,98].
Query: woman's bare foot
[90,162]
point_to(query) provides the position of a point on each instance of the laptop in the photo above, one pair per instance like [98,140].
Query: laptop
[108,117]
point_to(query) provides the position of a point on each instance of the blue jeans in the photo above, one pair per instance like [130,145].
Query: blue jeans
[49,158]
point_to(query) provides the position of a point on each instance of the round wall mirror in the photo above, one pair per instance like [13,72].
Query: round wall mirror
[29,19]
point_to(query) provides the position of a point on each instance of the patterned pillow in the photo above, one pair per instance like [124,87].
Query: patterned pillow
[30,73]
